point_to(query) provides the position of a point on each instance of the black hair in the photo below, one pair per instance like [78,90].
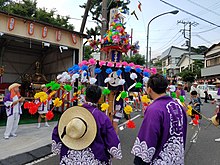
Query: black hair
[93,93]
[193,93]
[157,83]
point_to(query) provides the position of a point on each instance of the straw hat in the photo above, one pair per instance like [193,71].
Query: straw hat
[214,121]
[13,86]
[180,83]
[195,83]
[77,128]
[217,81]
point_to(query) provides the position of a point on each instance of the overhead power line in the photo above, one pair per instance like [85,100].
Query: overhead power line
[190,13]
[197,4]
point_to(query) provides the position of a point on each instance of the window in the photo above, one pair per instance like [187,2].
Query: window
[212,62]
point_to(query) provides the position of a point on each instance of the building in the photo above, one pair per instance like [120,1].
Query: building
[155,60]
[183,63]
[25,43]
[211,68]
[170,58]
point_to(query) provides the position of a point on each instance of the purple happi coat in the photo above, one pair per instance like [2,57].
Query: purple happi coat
[105,146]
[8,105]
[162,136]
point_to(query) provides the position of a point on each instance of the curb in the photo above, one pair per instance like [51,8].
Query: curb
[27,157]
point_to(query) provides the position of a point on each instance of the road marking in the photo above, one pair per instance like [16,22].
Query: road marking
[122,124]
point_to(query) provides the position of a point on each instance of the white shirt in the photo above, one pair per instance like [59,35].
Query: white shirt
[16,107]
[195,89]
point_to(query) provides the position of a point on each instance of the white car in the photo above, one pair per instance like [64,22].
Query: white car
[212,91]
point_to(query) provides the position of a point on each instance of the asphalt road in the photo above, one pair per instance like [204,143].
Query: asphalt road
[203,152]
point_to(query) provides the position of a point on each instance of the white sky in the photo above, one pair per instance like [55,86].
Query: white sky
[164,31]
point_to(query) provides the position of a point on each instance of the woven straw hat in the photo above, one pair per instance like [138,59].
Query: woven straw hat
[214,121]
[13,86]
[217,81]
[77,128]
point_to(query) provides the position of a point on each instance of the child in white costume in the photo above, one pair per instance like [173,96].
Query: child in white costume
[43,108]
[13,102]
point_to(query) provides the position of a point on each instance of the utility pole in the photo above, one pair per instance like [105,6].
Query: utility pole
[189,38]
[104,23]
[88,5]
[149,57]
[131,40]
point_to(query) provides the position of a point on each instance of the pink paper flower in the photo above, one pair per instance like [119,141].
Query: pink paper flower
[147,70]
[110,64]
[101,63]
[131,64]
[118,65]
[153,70]
[137,66]
[80,64]
[84,62]
[124,63]
[92,61]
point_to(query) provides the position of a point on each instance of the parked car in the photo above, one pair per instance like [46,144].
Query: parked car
[212,91]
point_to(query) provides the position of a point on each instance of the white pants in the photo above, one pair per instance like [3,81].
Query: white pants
[12,124]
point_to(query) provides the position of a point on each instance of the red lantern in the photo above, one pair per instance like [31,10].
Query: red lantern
[31,28]
[73,36]
[58,35]
[11,24]
[44,32]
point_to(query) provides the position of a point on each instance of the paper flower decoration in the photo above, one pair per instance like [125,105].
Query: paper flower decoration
[119,72]
[92,80]
[130,124]
[153,70]
[74,68]
[124,63]
[124,94]
[101,63]
[42,96]
[108,71]
[138,70]
[52,94]
[85,67]
[50,84]
[92,61]
[33,109]
[118,65]
[55,87]
[173,95]
[138,85]
[104,106]
[68,88]
[133,76]
[137,66]
[128,109]
[145,79]
[106,91]
[127,69]
[145,99]
[107,79]
[121,82]
[98,70]
[57,102]
[110,64]
[49,115]
[80,87]
[75,76]
[182,100]
[146,74]
[189,110]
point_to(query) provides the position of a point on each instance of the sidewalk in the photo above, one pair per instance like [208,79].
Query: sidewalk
[29,138]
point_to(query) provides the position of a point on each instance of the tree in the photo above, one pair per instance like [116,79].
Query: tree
[197,66]
[199,50]
[96,8]
[28,8]
[87,52]
[187,76]
[137,59]
[93,32]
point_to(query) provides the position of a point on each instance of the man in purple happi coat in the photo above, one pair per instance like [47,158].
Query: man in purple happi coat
[106,144]
[162,136]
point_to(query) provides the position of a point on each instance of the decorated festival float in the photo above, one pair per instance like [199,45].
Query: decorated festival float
[113,75]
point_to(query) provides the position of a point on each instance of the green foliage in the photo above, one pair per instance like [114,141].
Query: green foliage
[93,32]
[136,59]
[200,49]
[187,76]
[197,66]
[28,9]
[96,8]
[68,87]
[88,52]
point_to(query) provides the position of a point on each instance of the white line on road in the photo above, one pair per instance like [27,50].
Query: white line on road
[122,124]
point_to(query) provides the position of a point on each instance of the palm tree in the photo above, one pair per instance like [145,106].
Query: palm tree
[93,32]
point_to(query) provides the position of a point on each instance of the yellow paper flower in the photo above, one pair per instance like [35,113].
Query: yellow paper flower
[145,99]
[189,111]
[79,92]
[74,94]
[42,96]
[104,106]
[57,102]
[128,109]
